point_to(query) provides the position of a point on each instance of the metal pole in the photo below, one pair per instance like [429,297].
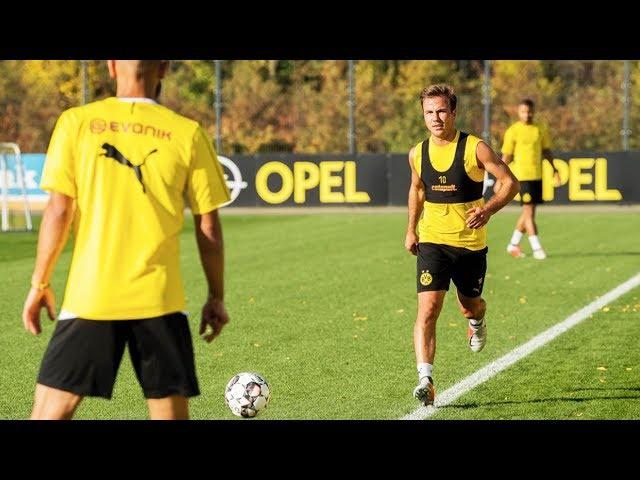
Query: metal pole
[4,180]
[352,106]
[486,102]
[218,104]
[85,82]
[21,177]
[626,103]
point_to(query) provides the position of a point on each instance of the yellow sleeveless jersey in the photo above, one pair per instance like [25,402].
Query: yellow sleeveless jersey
[445,223]
[526,142]
[130,164]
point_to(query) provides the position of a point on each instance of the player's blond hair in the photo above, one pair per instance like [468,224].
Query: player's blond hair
[440,90]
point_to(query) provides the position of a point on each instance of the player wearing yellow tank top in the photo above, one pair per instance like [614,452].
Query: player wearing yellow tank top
[445,223]
[525,144]
[447,208]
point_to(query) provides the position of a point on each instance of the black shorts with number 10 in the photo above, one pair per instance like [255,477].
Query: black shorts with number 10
[438,264]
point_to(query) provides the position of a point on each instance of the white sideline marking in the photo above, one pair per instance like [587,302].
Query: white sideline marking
[485,373]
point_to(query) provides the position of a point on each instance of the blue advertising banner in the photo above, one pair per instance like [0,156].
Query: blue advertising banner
[33,164]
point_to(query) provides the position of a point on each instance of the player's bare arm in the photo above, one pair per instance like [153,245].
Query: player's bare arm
[415,203]
[548,155]
[507,158]
[54,231]
[211,249]
[509,186]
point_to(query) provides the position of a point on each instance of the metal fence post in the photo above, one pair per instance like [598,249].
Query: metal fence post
[626,103]
[352,106]
[486,102]
[218,104]
[85,82]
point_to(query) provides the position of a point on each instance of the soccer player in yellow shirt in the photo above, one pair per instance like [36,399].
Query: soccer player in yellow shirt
[119,171]
[525,144]
[447,173]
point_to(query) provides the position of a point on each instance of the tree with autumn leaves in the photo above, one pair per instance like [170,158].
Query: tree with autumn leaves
[302,106]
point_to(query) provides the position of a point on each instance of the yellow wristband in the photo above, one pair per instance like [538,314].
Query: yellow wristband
[40,286]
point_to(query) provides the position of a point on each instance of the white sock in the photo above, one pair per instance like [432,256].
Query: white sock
[424,370]
[535,242]
[475,322]
[516,237]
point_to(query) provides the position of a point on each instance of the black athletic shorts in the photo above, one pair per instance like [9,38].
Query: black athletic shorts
[437,264]
[83,356]
[531,192]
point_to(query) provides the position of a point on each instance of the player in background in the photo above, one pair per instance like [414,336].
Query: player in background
[526,143]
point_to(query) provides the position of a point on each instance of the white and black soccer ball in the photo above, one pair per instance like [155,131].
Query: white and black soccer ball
[247,394]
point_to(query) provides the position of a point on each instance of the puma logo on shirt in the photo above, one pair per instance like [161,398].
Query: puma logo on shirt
[114,153]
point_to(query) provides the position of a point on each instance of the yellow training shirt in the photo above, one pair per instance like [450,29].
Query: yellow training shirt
[130,164]
[526,142]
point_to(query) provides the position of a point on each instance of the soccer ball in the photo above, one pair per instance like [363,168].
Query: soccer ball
[247,394]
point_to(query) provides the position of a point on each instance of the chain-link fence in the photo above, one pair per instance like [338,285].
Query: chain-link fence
[338,106]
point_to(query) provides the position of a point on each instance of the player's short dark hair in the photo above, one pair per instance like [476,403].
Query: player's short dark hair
[145,66]
[528,102]
[440,90]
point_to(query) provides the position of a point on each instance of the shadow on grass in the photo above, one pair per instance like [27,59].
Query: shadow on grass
[470,405]
[631,389]
[592,254]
